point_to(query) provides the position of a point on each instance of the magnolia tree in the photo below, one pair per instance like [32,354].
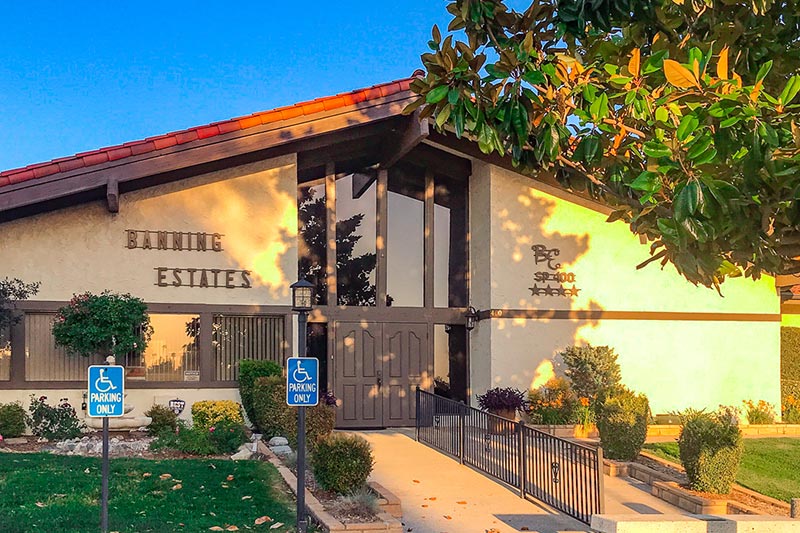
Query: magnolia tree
[679,113]
[12,290]
[103,324]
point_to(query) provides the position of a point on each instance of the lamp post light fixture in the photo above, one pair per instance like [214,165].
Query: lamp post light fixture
[302,297]
[471,317]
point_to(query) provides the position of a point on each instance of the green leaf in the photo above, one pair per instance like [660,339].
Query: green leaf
[443,115]
[452,97]
[687,200]
[790,90]
[599,108]
[732,121]
[706,157]
[588,150]
[662,114]
[656,149]
[763,71]
[699,146]
[458,121]
[437,94]
[647,181]
[687,127]
[534,77]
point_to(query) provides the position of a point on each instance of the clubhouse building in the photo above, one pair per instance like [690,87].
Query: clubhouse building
[429,258]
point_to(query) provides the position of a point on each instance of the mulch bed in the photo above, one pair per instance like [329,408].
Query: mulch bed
[679,476]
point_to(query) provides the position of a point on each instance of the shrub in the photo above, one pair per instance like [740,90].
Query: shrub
[622,422]
[164,419]
[207,413]
[711,449]
[502,399]
[249,371]
[362,503]
[791,410]
[277,418]
[189,440]
[790,362]
[53,423]
[107,324]
[227,436]
[12,420]
[269,406]
[759,413]
[342,463]
[593,370]
[552,403]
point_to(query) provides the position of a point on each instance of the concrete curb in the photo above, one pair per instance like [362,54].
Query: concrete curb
[387,522]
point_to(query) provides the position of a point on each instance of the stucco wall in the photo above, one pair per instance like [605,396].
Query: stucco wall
[677,363]
[84,248]
[142,399]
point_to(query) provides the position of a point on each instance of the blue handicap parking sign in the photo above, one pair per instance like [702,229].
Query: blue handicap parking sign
[106,391]
[302,381]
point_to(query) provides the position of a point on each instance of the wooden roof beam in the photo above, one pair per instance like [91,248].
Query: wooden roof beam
[415,130]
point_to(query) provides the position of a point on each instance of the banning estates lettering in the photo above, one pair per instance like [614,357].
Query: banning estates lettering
[203,277]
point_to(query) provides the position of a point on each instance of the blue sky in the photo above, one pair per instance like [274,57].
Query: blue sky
[75,76]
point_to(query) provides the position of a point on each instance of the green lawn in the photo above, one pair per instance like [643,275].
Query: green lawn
[769,466]
[49,493]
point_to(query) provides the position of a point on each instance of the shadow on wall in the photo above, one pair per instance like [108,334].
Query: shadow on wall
[540,278]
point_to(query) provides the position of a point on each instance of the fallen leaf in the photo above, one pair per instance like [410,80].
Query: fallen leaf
[86,471]
[424,504]
[39,504]
[231,528]
[224,485]
[448,517]
[247,497]
[461,503]
[165,476]
[212,466]
[177,487]
[230,477]
[432,499]
[414,480]
[212,513]
[215,528]
[262,520]
[147,474]
[277,525]
[524,528]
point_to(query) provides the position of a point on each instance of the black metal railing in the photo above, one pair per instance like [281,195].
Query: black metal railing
[564,474]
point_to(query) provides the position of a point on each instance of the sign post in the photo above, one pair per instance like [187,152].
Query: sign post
[106,399]
[302,390]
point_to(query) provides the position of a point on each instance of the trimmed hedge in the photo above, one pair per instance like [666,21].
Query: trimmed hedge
[275,418]
[790,363]
[12,420]
[711,449]
[622,423]
[207,413]
[249,371]
[342,463]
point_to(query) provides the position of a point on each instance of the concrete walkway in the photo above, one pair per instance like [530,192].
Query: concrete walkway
[441,496]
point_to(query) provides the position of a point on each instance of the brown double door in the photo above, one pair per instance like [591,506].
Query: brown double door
[377,367]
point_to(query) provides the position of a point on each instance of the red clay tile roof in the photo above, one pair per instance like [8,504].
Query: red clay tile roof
[151,144]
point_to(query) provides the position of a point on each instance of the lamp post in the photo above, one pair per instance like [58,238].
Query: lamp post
[302,296]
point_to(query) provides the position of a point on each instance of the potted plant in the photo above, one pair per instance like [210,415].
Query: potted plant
[504,403]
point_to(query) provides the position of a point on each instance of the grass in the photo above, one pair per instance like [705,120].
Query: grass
[769,466]
[48,493]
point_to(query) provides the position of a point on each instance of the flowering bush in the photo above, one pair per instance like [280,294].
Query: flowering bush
[53,423]
[208,413]
[227,436]
[552,403]
[502,399]
[759,413]
[791,410]
[106,324]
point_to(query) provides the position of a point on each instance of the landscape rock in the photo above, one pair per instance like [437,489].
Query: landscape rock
[278,441]
[281,450]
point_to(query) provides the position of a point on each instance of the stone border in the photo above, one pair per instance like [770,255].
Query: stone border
[736,488]
[748,430]
[653,478]
[388,519]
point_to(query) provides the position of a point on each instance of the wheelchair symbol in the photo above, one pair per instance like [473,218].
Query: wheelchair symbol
[299,375]
[106,383]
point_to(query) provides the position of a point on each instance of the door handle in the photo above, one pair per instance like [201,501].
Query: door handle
[380,379]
